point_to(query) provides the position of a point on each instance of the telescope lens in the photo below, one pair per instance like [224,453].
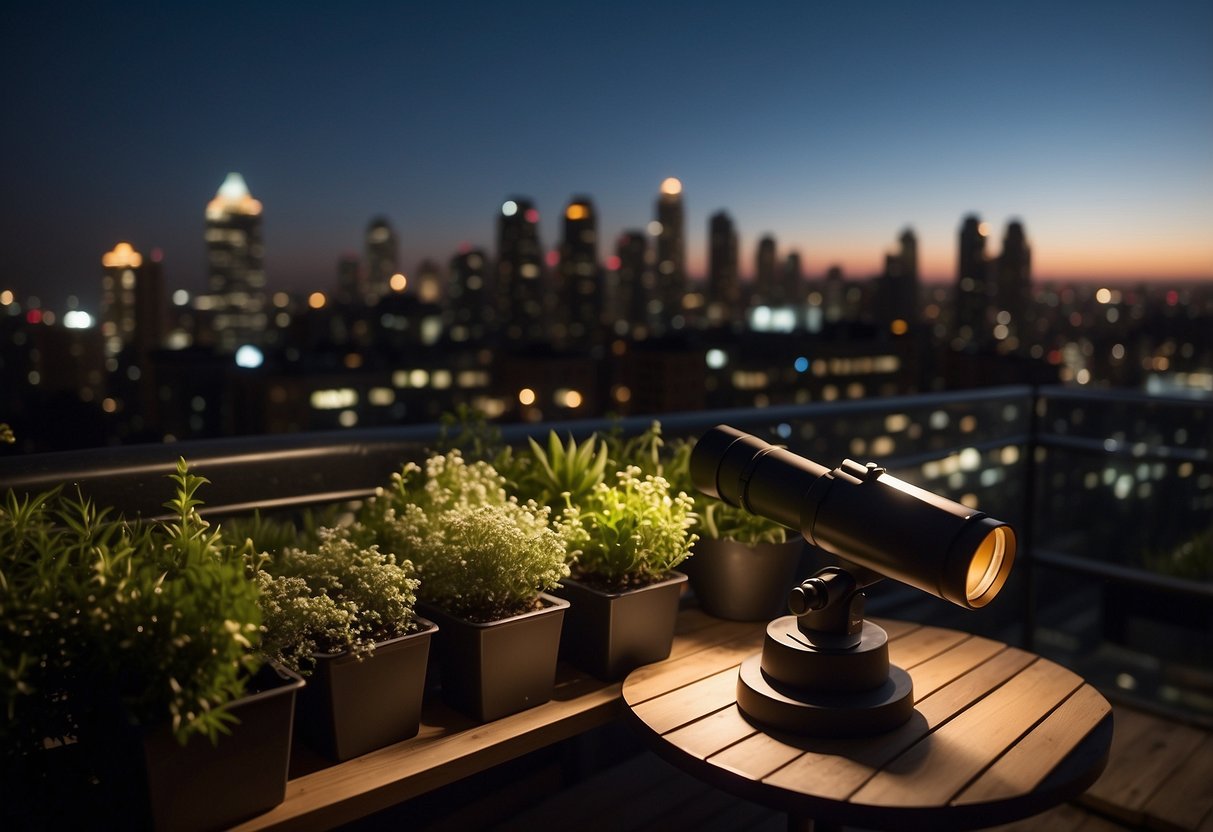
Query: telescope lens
[987,570]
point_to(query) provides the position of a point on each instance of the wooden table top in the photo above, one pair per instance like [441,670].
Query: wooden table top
[998,734]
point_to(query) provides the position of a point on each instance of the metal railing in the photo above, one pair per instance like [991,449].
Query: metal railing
[1097,484]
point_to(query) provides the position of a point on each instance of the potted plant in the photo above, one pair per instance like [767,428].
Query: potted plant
[744,564]
[341,615]
[623,540]
[130,649]
[485,560]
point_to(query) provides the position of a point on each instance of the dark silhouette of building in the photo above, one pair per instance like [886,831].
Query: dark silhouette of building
[766,285]
[351,280]
[671,277]
[971,329]
[724,288]
[1013,289]
[521,287]
[468,310]
[633,284]
[580,292]
[897,295]
[382,259]
[793,286]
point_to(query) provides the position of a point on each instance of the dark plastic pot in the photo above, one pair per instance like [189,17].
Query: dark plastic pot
[501,667]
[744,582]
[610,634]
[351,707]
[201,786]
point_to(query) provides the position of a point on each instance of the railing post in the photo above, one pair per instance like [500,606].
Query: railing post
[1028,524]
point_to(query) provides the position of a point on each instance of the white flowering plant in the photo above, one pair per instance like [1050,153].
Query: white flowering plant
[337,596]
[629,533]
[105,622]
[480,553]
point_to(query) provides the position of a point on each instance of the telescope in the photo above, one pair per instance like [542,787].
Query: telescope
[824,670]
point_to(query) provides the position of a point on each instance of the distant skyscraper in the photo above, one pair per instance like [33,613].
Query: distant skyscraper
[382,258]
[793,291]
[1014,290]
[351,282]
[468,306]
[972,285]
[724,290]
[132,326]
[235,272]
[671,277]
[632,293]
[765,281]
[521,289]
[898,286]
[580,292]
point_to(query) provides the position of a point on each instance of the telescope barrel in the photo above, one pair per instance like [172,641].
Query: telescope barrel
[863,514]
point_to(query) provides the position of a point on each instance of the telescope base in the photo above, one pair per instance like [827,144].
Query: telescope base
[793,686]
[824,714]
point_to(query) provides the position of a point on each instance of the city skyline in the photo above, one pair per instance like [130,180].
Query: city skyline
[831,130]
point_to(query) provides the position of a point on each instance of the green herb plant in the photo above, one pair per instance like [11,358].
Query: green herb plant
[480,553]
[629,533]
[335,597]
[105,622]
[568,471]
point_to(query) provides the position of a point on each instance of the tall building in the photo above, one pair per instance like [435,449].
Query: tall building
[132,326]
[351,281]
[724,288]
[236,298]
[580,292]
[897,299]
[382,258]
[521,288]
[766,284]
[633,284]
[1013,288]
[972,285]
[665,307]
[793,291]
[468,309]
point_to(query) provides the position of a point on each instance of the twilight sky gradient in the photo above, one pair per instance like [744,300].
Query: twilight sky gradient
[830,125]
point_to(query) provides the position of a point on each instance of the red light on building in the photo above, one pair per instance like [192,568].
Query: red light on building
[552,258]
[613,262]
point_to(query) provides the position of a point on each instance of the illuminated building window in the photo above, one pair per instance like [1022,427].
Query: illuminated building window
[334,399]
[381,396]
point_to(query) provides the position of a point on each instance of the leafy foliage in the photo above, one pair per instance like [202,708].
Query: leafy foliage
[716,519]
[480,553]
[105,621]
[569,471]
[629,533]
[341,597]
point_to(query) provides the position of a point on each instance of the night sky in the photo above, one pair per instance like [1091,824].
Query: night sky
[832,126]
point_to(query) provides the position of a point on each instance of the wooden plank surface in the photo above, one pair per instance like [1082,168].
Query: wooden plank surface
[990,724]
[1185,799]
[1146,753]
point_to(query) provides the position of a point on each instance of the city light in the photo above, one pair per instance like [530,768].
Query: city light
[671,186]
[77,319]
[249,357]
[6,297]
[576,211]
[123,256]
[509,208]
[398,282]
[526,396]
[181,298]
[316,300]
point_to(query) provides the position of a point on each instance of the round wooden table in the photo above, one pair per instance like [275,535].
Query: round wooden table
[998,734]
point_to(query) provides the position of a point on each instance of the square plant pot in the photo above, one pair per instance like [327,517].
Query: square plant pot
[200,785]
[610,634]
[744,582]
[494,669]
[352,706]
